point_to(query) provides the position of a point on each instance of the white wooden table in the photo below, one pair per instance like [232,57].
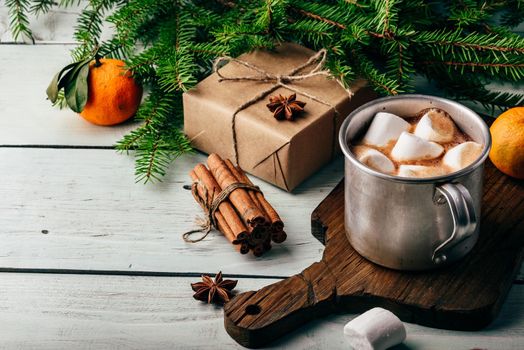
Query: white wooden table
[89,259]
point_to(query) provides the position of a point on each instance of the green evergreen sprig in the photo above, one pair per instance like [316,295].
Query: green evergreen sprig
[159,140]
[19,22]
[169,45]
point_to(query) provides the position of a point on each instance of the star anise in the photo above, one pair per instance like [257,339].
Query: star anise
[218,291]
[285,107]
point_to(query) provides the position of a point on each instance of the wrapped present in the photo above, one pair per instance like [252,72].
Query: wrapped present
[227,113]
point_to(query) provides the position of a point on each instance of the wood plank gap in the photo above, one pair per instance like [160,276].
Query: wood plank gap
[58,146]
[39,43]
[130,273]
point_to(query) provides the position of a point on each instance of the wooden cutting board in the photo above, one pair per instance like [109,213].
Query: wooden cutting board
[464,296]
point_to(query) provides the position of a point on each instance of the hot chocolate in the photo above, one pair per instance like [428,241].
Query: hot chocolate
[425,145]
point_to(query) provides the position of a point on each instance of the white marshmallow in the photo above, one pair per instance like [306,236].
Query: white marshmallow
[376,329]
[437,126]
[411,147]
[384,128]
[374,159]
[462,155]
[419,171]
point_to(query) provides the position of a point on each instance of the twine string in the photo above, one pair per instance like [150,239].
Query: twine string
[278,80]
[210,205]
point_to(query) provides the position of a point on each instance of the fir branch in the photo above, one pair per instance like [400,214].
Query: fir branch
[399,64]
[89,27]
[151,161]
[158,141]
[317,17]
[312,31]
[475,64]
[207,50]
[69,3]
[17,11]
[509,70]
[387,35]
[379,81]
[42,6]
[385,18]
[338,15]
[473,41]
[142,65]
[226,3]
[465,13]
[157,151]
[341,71]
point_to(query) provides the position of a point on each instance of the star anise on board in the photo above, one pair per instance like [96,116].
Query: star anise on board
[285,107]
[218,291]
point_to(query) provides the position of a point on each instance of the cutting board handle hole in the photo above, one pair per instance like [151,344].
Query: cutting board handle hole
[253,309]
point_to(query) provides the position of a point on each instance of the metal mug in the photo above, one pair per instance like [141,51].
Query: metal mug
[412,223]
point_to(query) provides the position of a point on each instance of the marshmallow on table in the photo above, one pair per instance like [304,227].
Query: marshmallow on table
[419,171]
[411,147]
[437,126]
[376,329]
[462,155]
[374,159]
[384,128]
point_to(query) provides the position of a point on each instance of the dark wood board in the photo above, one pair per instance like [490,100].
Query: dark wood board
[464,296]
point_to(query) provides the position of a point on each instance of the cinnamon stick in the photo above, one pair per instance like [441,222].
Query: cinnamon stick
[276,222]
[241,177]
[225,208]
[244,248]
[279,236]
[259,233]
[250,213]
[221,222]
[267,245]
[259,250]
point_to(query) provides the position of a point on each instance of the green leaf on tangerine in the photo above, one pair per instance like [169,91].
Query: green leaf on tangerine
[71,74]
[76,89]
[52,89]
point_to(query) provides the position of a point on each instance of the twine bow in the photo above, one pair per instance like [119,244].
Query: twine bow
[210,205]
[279,80]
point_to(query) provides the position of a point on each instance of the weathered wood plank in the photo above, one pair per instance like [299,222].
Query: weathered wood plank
[27,117]
[96,217]
[46,311]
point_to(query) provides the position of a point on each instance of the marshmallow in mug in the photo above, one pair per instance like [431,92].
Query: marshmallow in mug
[462,155]
[407,170]
[410,147]
[374,159]
[437,126]
[384,128]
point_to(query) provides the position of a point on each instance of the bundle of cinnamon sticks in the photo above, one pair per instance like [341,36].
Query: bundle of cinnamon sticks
[245,217]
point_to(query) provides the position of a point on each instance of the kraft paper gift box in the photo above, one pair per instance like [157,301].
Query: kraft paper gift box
[284,152]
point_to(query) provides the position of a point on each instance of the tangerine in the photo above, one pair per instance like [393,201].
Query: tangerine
[507,150]
[113,94]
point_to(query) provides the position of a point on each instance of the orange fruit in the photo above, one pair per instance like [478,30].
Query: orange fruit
[507,150]
[113,94]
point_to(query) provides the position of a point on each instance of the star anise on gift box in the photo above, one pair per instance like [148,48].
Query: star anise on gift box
[285,107]
[218,291]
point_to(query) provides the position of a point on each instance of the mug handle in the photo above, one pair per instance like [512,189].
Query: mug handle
[465,220]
